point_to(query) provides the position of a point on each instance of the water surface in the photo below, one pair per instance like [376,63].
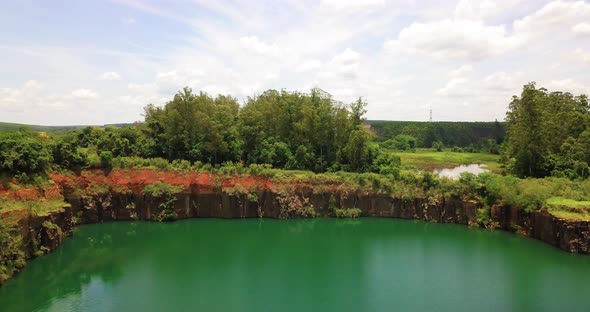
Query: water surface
[456,171]
[304,265]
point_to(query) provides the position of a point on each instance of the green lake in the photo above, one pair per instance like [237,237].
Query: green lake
[300,265]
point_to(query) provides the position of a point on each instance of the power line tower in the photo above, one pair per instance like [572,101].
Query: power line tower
[430,115]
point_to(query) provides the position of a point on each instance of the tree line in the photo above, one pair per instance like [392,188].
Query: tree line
[466,135]
[547,134]
[290,130]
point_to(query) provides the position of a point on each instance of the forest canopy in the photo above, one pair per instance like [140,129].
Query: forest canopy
[289,130]
[548,134]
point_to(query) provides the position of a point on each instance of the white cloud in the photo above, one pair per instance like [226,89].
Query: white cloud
[461,71]
[474,9]
[582,29]
[84,94]
[501,81]
[110,76]
[347,57]
[353,4]
[582,55]
[455,87]
[465,59]
[344,65]
[568,85]
[145,88]
[309,65]
[254,44]
[447,39]
[554,17]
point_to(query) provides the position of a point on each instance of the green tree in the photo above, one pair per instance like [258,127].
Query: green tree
[546,133]
[24,152]
[68,154]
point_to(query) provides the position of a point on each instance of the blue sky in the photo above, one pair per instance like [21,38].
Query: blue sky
[96,62]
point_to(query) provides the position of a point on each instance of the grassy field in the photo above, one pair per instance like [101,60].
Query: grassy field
[428,159]
[569,209]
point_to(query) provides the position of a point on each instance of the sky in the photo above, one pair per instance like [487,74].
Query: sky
[100,62]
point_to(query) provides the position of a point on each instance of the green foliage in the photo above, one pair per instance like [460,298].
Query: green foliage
[252,197]
[12,257]
[357,150]
[153,163]
[438,146]
[548,134]
[36,207]
[24,153]
[401,142]
[161,189]
[460,134]
[387,163]
[569,209]
[292,206]
[167,194]
[427,160]
[68,154]
[351,213]
[196,127]
[106,159]
[284,129]
[484,217]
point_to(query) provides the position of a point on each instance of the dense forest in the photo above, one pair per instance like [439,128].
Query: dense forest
[474,135]
[290,130]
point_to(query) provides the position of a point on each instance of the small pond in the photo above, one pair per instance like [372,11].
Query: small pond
[455,172]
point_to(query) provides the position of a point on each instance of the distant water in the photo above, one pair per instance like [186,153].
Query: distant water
[303,265]
[456,171]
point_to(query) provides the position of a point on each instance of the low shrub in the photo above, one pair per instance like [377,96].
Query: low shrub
[351,213]
[166,193]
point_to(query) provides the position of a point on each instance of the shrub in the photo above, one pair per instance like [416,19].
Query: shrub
[106,159]
[351,213]
[166,193]
[12,258]
[24,153]
[292,206]
[438,146]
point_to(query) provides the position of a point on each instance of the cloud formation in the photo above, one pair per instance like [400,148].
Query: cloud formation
[462,58]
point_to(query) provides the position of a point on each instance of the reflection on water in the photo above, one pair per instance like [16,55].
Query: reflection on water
[454,173]
[299,265]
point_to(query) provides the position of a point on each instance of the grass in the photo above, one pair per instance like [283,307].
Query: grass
[39,207]
[569,209]
[427,159]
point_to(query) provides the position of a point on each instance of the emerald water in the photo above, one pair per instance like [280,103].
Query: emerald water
[303,265]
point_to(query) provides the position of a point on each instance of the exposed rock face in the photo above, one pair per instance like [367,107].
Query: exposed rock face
[571,236]
[43,234]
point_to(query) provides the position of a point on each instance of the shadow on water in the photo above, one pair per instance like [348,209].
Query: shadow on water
[322,264]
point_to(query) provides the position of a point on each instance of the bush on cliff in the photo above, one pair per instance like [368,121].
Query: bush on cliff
[351,213]
[167,194]
[12,258]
